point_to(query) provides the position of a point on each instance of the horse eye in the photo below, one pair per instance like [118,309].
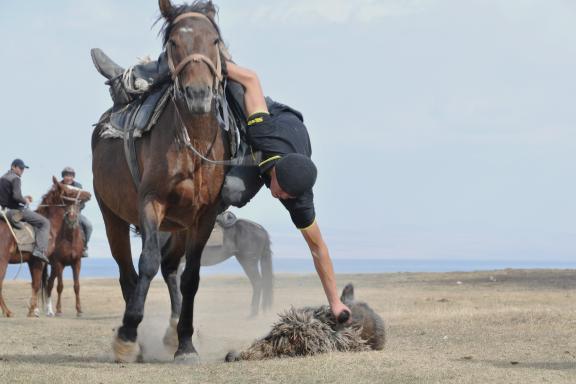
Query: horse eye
[216,41]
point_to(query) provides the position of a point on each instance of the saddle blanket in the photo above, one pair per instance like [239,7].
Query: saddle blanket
[216,238]
[25,236]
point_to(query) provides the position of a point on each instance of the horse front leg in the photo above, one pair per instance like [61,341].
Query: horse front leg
[76,275]
[59,287]
[125,345]
[49,286]
[189,283]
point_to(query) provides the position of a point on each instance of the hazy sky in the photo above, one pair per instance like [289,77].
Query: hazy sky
[441,128]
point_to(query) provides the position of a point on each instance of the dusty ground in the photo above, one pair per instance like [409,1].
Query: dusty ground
[489,327]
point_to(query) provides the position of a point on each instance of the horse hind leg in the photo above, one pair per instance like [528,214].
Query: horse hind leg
[118,234]
[190,281]
[249,263]
[3,266]
[172,253]
[35,267]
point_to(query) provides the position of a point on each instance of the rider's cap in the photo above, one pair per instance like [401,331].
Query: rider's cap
[19,163]
[296,174]
[68,171]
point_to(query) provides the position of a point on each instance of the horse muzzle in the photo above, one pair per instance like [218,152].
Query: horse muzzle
[198,99]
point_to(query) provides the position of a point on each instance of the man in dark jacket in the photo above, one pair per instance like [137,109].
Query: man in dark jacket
[68,178]
[11,198]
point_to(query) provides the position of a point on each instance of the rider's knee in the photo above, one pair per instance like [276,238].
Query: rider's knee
[44,222]
[233,191]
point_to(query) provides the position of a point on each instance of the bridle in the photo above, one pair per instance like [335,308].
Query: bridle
[218,88]
[215,68]
[68,207]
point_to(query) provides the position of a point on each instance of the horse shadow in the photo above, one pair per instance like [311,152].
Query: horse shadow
[512,364]
[55,358]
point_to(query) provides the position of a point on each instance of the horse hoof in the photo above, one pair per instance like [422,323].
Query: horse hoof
[50,314]
[232,356]
[170,339]
[125,351]
[34,313]
[58,314]
[78,314]
[187,358]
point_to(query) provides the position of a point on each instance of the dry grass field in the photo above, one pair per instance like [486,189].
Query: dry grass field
[507,326]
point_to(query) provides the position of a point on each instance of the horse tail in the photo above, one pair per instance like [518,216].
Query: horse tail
[267,274]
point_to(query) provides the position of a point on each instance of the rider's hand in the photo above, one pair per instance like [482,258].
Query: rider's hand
[339,307]
[28,199]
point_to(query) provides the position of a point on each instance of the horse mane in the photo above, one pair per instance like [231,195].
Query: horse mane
[201,6]
[50,198]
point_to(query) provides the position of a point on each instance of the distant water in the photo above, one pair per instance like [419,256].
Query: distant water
[107,268]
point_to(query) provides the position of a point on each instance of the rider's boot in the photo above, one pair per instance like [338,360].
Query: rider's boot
[114,73]
[40,254]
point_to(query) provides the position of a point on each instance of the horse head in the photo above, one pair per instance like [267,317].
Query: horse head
[192,42]
[71,199]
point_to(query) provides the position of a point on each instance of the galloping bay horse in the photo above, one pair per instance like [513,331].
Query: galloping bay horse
[67,252]
[178,190]
[60,202]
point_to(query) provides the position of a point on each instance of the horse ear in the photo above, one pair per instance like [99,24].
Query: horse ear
[165,8]
[55,181]
[210,10]
[347,294]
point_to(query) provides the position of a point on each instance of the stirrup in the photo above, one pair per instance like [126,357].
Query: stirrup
[105,65]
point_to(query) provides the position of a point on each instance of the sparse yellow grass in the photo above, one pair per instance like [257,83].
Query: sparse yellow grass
[494,327]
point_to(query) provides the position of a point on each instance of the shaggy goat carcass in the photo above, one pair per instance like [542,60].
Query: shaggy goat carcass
[314,330]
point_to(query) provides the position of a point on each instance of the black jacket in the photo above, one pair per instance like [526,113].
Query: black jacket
[11,192]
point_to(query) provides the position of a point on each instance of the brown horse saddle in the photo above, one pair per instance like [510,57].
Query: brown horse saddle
[25,234]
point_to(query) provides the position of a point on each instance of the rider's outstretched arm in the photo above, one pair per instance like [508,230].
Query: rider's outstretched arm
[254,101]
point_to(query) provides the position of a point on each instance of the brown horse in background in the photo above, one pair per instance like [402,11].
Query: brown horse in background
[61,201]
[68,252]
[178,189]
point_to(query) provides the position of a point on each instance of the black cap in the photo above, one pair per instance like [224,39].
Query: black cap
[19,163]
[296,174]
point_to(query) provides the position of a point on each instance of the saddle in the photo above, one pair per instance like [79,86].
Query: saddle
[133,120]
[136,118]
[25,234]
[226,219]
